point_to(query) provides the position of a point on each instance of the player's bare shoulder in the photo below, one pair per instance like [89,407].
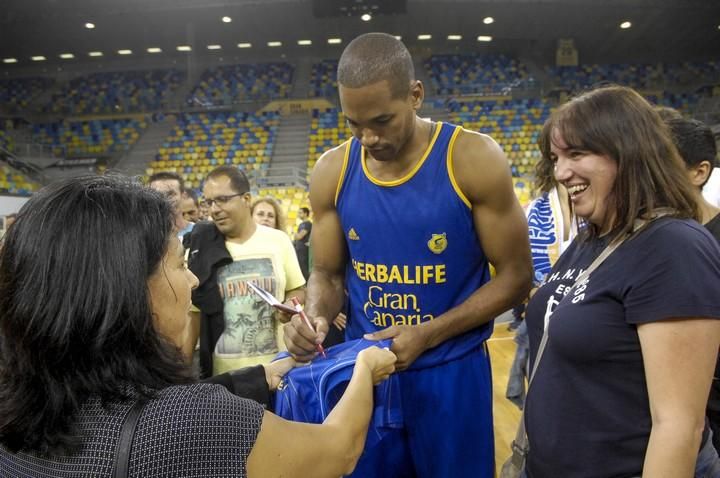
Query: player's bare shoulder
[473,149]
[327,173]
[478,162]
[330,164]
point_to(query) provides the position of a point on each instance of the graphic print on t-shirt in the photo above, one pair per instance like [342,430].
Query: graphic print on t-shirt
[249,321]
[566,280]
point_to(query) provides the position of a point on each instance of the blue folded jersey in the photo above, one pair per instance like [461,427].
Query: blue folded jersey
[308,393]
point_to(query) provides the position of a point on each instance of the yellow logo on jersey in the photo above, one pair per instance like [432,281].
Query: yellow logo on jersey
[438,243]
[352,235]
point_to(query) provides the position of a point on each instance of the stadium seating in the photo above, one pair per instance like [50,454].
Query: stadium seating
[225,85]
[13,182]
[94,137]
[16,94]
[475,74]
[201,142]
[692,72]
[514,124]
[578,78]
[323,80]
[327,130]
[523,188]
[6,141]
[119,92]
[657,76]
[683,102]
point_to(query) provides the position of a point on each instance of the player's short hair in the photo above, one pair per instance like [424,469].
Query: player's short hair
[374,57]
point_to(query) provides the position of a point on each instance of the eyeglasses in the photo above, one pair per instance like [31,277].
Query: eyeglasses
[220,200]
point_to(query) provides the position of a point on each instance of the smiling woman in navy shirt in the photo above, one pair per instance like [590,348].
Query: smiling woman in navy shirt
[621,387]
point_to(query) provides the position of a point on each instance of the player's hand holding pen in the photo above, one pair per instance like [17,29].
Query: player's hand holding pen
[312,333]
[302,339]
[306,320]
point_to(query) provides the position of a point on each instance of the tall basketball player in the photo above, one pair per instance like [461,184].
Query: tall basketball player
[408,214]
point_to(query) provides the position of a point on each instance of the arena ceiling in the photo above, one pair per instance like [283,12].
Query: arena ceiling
[662,30]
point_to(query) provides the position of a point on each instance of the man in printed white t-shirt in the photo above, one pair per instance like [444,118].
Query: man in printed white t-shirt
[236,327]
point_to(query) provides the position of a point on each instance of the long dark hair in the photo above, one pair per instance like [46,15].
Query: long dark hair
[544,179]
[617,122]
[75,316]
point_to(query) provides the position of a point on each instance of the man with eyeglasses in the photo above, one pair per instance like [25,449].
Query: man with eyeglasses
[236,328]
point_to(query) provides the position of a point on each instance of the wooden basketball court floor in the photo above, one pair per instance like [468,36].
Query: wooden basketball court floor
[505,413]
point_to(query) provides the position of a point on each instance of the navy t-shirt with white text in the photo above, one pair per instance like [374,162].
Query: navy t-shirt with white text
[587,411]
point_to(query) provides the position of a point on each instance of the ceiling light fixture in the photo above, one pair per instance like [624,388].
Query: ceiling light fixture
[184,48]
[10,60]
[625,25]
[366,17]
[304,42]
[424,36]
[226,19]
[95,53]
[244,45]
[154,49]
[454,37]
[274,43]
[89,25]
[38,58]
[488,20]
[124,52]
[485,38]
[214,47]
[334,41]
[67,56]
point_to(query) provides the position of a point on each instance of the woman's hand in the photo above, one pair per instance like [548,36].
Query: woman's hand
[275,371]
[380,363]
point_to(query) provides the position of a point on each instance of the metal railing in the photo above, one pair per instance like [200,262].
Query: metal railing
[281,176]
[28,169]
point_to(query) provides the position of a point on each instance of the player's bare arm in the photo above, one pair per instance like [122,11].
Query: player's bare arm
[483,174]
[325,290]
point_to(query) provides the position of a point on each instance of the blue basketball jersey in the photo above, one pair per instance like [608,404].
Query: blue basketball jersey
[308,393]
[414,252]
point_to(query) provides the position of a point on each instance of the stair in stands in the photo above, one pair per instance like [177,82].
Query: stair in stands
[288,164]
[136,161]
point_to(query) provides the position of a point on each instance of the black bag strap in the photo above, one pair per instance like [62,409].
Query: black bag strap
[122,453]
